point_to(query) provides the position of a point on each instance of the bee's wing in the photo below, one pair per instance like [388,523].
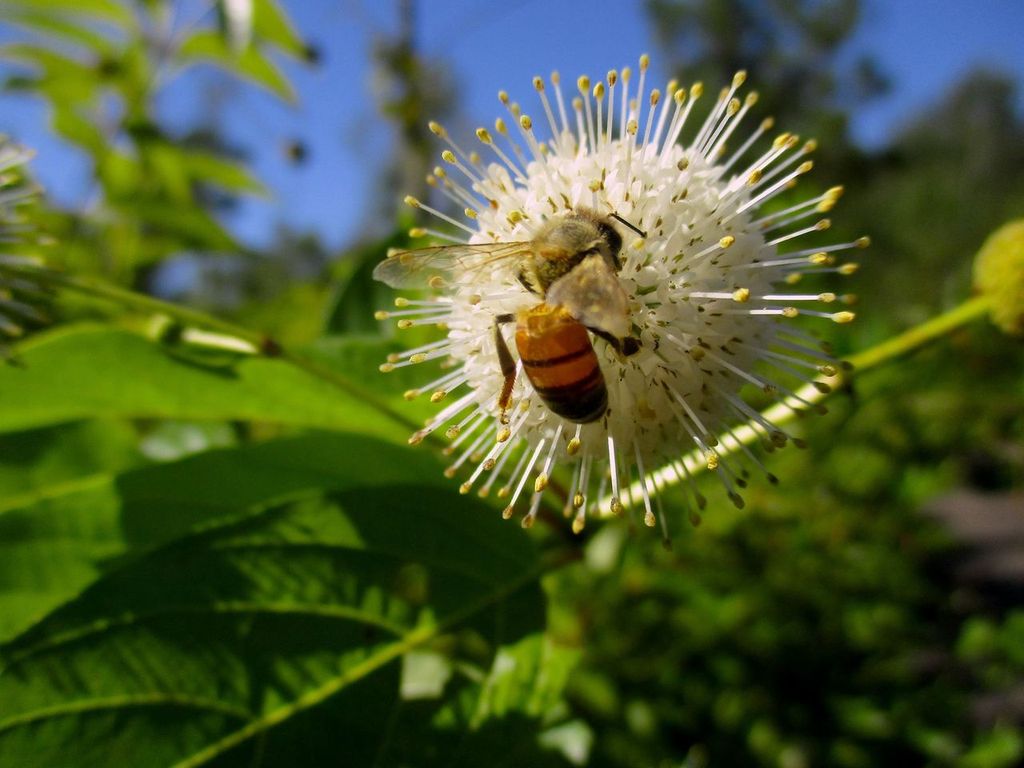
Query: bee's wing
[418,268]
[591,293]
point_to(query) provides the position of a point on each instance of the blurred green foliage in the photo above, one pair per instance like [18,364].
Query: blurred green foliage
[101,65]
[219,554]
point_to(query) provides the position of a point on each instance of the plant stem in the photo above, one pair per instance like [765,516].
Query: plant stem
[140,301]
[810,395]
[920,335]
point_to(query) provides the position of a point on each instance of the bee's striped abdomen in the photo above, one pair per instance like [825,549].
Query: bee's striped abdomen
[560,362]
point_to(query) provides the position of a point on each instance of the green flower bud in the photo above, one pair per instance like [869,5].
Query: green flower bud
[999,274]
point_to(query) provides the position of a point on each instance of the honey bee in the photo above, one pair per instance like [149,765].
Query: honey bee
[571,265]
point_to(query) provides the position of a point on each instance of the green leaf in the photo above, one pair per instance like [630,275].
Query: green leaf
[63,79]
[270,633]
[360,357]
[356,294]
[207,168]
[48,22]
[528,677]
[209,46]
[53,547]
[39,460]
[162,164]
[1002,747]
[95,371]
[186,226]
[56,535]
[111,10]
[68,123]
[271,24]
[490,717]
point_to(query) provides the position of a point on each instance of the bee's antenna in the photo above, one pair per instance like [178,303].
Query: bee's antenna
[631,226]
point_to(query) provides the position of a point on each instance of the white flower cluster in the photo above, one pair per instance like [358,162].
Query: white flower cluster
[707,284]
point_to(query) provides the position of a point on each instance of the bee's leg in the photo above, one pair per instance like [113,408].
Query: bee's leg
[507,365]
[627,346]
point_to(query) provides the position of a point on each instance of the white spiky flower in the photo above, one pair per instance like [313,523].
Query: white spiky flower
[19,287]
[708,288]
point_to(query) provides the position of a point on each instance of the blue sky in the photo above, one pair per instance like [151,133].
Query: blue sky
[922,45]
